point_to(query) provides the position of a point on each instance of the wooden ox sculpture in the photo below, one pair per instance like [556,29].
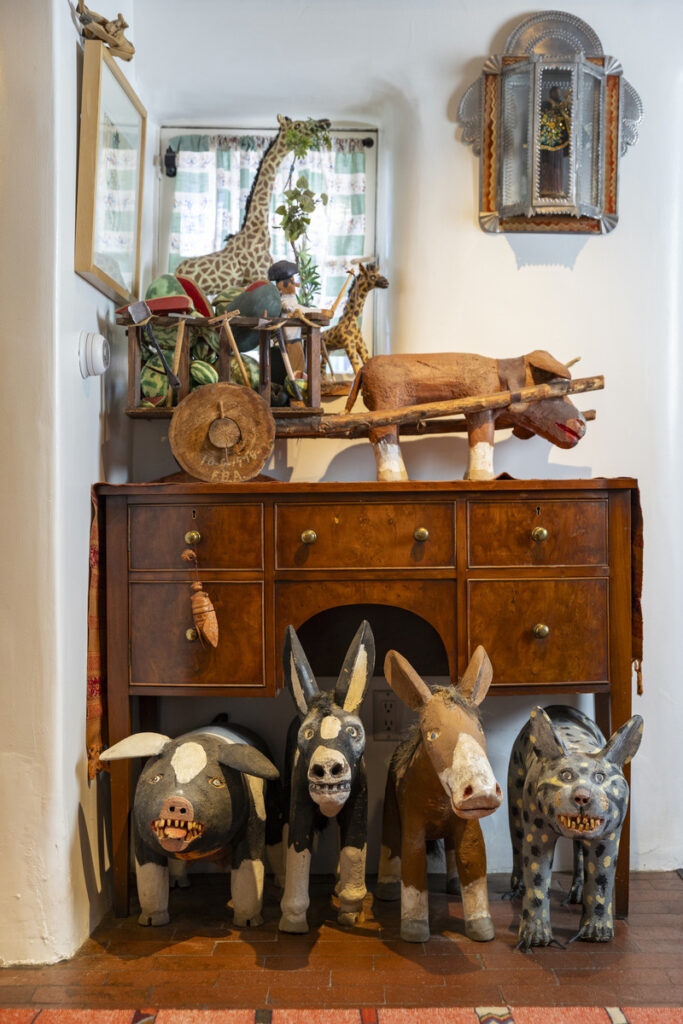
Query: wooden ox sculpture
[327,776]
[439,784]
[395,381]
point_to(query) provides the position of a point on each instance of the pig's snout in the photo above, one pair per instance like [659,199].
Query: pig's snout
[178,809]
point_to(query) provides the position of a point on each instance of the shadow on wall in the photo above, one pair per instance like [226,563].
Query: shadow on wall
[445,458]
[99,892]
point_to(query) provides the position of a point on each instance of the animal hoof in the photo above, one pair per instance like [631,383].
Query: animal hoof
[181,882]
[453,886]
[295,925]
[414,931]
[388,890]
[349,918]
[480,929]
[154,917]
[242,921]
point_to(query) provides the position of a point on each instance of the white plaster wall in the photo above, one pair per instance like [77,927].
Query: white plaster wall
[612,300]
[61,435]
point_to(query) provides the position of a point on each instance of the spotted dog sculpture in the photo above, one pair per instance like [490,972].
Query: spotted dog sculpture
[565,780]
[439,784]
[199,797]
[327,777]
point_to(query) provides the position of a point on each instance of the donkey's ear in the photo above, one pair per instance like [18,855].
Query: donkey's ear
[623,745]
[475,683]
[246,759]
[543,737]
[356,672]
[542,360]
[140,744]
[405,682]
[298,675]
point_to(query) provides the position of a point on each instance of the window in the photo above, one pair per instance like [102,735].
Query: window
[206,200]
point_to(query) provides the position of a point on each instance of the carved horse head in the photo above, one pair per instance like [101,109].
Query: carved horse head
[451,733]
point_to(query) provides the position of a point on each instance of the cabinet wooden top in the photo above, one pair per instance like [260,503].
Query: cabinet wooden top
[373,487]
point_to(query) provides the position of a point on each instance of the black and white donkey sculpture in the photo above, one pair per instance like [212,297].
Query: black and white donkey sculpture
[326,776]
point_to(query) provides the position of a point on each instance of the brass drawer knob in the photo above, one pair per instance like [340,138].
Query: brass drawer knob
[421,534]
[540,630]
[539,534]
[309,537]
[193,537]
[191,634]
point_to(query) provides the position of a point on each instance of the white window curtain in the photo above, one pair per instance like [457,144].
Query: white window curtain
[207,200]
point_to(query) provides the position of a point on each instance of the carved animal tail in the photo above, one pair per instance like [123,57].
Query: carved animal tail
[355,388]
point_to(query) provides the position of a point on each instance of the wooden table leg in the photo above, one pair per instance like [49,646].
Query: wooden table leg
[118,705]
[620,663]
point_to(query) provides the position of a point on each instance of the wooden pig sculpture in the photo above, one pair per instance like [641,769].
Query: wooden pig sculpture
[199,797]
[392,381]
[439,784]
[565,780]
[328,779]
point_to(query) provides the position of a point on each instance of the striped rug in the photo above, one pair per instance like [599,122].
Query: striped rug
[363,1015]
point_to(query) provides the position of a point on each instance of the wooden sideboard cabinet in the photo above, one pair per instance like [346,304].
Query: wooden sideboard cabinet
[538,571]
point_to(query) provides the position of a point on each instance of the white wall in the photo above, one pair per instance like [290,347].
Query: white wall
[402,67]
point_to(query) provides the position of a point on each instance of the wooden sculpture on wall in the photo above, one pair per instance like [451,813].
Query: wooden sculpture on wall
[327,777]
[246,256]
[346,333]
[565,780]
[393,381]
[199,797]
[439,784]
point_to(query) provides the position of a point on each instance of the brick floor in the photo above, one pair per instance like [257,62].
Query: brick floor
[200,961]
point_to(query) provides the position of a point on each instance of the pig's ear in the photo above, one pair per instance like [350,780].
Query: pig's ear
[542,360]
[140,744]
[405,682]
[357,670]
[623,745]
[475,683]
[543,736]
[298,674]
[246,759]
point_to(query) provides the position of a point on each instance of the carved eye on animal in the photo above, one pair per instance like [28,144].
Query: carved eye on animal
[217,783]
[155,778]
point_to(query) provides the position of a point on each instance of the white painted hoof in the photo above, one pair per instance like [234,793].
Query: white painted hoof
[479,474]
[295,925]
[154,917]
[480,929]
[241,921]
[414,931]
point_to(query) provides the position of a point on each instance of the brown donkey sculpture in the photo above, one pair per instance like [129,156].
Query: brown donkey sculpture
[439,784]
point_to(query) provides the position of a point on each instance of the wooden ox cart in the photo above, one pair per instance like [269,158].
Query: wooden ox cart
[225,432]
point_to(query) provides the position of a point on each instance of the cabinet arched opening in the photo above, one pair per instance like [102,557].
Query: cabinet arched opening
[326,635]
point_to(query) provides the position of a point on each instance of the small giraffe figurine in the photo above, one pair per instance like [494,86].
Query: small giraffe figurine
[346,332]
[246,257]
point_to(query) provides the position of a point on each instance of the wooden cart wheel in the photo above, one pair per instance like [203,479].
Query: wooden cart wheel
[222,433]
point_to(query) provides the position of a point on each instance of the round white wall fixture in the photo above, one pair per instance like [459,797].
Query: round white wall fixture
[93,354]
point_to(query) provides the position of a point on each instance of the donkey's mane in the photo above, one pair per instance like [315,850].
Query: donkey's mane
[323,702]
[407,748]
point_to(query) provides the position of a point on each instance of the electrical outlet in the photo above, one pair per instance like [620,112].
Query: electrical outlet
[386,715]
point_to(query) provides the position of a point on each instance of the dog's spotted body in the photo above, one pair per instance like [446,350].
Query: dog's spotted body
[564,779]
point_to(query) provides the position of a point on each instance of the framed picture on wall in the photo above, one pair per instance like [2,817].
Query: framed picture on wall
[110,170]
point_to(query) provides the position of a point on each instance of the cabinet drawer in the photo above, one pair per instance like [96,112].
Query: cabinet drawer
[230,536]
[502,615]
[360,535]
[160,653]
[528,533]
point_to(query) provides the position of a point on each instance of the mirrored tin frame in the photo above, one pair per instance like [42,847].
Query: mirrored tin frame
[550,125]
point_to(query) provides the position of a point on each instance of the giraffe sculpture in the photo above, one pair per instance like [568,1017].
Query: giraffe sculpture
[246,256]
[346,333]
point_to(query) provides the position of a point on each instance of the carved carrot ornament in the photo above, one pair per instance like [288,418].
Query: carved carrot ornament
[203,611]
